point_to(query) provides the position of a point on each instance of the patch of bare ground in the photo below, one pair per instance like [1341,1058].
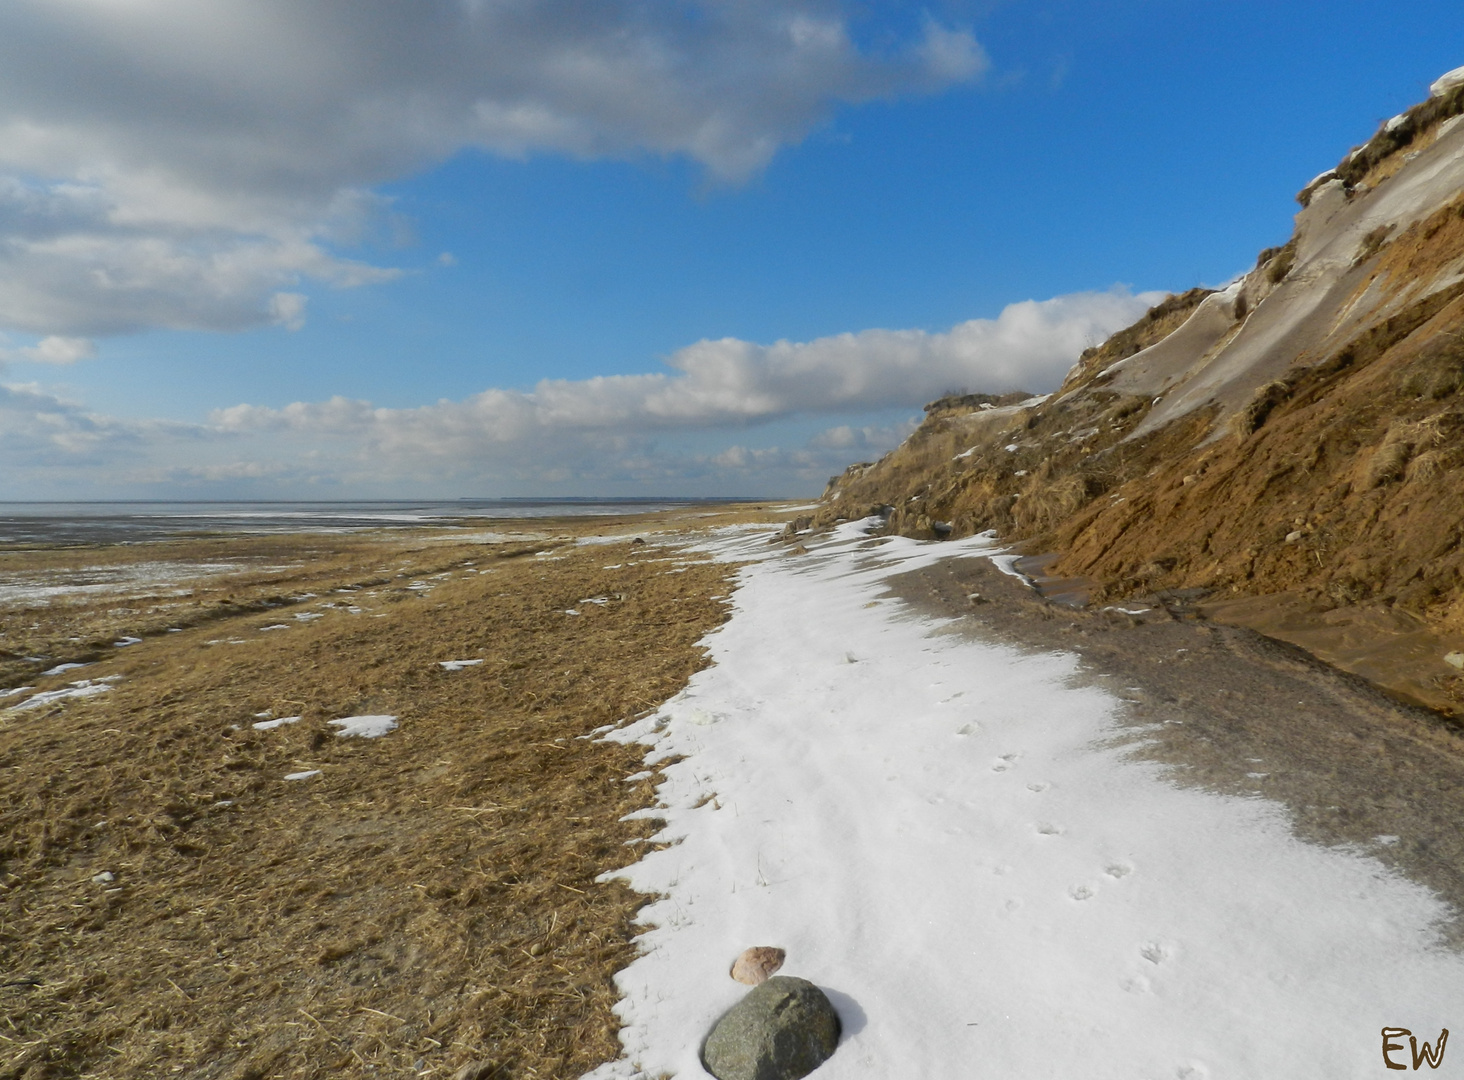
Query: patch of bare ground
[171,903]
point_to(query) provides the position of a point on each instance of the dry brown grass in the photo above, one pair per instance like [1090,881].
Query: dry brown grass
[430,899]
[1438,372]
[1278,261]
[1252,416]
[1051,500]
[1382,155]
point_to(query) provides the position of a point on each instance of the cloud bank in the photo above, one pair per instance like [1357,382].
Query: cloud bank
[166,163]
[694,427]
[731,383]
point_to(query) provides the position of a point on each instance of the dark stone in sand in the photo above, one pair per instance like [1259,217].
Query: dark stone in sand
[782,1030]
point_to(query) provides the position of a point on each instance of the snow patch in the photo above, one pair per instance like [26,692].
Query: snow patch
[457,665]
[84,688]
[1007,564]
[365,727]
[1028,895]
[1446,82]
[59,668]
[270,725]
[80,583]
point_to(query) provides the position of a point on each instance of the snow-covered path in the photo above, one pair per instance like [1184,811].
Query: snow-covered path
[939,835]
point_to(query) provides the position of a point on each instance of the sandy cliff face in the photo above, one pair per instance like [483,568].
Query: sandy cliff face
[1289,451]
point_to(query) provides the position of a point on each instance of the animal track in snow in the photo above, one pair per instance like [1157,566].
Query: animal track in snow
[1047,828]
[1118,870]
[968,729]
[1154,953]
[1081,892]
[1039,787]
[1005,762]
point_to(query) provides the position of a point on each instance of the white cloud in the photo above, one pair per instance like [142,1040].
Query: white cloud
[51,350]
[165,163]
[288,310]
[79,259]
[868,439]
[40,430]
[730,382]
[685,429]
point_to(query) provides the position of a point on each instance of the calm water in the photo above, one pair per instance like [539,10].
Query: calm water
[133,522]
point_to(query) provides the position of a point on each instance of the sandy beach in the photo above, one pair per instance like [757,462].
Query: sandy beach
[509,798]
[730,541]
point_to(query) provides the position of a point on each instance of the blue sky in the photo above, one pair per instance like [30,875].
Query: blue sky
[478,248]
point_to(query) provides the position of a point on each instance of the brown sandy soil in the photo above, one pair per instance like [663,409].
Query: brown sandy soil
[1234,712]
[1337,492]
[171,904]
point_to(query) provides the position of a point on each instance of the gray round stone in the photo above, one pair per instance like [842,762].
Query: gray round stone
[783,1029]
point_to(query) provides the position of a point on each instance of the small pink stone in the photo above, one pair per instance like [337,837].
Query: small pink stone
[756,964]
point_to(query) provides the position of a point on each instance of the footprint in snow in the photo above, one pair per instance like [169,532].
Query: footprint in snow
[1005,762]
[1047,828]
[1136,984]
[967,729]
[1118,870]
[1038,787]
[1081,892]
[1154,953]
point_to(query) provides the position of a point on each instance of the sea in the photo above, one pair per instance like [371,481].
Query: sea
[27,524]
